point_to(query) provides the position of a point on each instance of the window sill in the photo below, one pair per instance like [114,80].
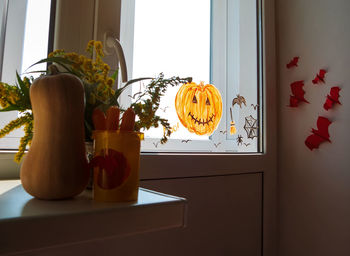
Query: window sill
[29,224]
[172,165]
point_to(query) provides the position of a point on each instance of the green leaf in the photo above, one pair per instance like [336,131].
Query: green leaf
[115,75]
[10,108]
[136,80]
[118,92]
[24,89]
[33,72]
[62,62]
[58,60]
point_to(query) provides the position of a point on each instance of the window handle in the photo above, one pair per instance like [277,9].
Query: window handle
[111,41]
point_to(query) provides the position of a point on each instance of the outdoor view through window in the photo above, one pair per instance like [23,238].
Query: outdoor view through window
[179,38]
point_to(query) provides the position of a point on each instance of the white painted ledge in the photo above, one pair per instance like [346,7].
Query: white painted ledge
[28,224]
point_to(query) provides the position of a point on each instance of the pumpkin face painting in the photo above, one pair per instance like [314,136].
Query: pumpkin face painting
[199,107]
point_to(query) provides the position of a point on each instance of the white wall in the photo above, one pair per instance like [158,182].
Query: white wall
[314,186]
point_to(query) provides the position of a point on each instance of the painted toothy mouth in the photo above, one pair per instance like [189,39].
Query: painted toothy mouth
[210,119]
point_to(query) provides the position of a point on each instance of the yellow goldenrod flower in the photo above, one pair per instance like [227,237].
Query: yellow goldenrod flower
[110,82]
[13,97]
[4,103]
[100,87]
[81,59]
[91,69]
[87,65]
[15,124]
[105,69]
[8,95]
[25,140]
[96,78]
[56,53]
[98,45]
[99,48]
[72,56]
[90,45]
[26,81]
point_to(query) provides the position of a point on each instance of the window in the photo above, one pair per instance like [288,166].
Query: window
[93,18]
[25,28]
[212,41]
[163,164]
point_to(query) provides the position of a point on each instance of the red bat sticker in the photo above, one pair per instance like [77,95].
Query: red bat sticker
[293,62]
[320,135]
[332,98]
[320,77]
[298,94]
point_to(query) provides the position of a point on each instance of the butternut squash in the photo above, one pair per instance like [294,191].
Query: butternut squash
[55,166]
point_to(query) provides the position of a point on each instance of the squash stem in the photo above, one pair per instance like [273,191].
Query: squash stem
[53,70]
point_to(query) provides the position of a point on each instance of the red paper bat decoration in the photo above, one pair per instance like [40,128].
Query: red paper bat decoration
[293,62]
[320,77]
[320,135]
[332,98]
[298,94]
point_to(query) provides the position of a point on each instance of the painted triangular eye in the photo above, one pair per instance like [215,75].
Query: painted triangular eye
[207,102]
[194,100]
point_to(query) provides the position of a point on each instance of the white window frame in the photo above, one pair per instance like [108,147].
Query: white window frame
[175,165]
[171,165]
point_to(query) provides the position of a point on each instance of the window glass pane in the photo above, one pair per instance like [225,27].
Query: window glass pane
[36,34]
[3,15]
[26,43]
[242,77]
[172,37]
[211,41]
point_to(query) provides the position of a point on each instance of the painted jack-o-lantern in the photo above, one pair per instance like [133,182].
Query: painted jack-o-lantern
[199,107]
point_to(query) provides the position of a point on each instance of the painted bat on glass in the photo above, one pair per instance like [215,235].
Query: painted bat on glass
[217,144]
[239,100]
[254,106]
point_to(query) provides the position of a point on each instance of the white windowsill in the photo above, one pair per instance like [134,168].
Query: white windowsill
[172,165]
[28,224]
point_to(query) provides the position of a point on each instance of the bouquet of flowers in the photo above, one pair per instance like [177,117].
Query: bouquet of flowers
[101,91]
